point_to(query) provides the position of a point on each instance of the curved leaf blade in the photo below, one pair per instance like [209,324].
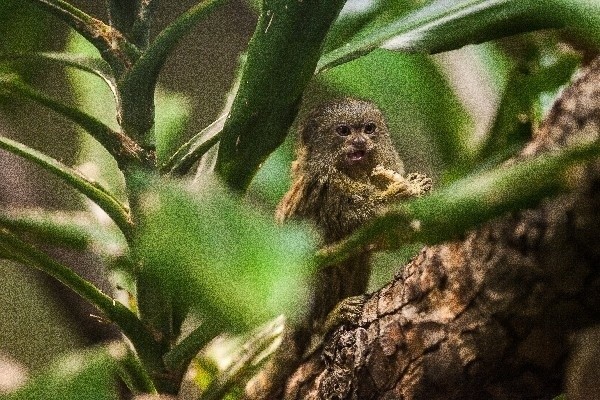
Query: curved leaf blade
[445,25]
[183,159]
[94,191]
[116,312]
[113,46]
[121,147]
[75,229]
[93,65]
[138,85]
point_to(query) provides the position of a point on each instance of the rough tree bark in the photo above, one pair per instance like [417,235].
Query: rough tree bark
[489,316]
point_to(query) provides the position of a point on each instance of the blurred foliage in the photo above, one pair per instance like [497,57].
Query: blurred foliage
[225,258]
[86,375]
[199,259]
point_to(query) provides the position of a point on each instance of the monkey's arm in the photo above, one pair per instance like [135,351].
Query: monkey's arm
[395,186]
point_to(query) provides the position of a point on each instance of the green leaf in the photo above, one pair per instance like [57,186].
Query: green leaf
[113,310]
[113,47]
[95,192]
[581,16]
[446,25]
[65,228]
[515,117]
[183,159]
[223,258]
[451,211]
[122,148]
[86,375]
[91,64]
[138,85]
[282,56]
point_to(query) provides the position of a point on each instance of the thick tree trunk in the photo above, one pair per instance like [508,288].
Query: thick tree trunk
[490,316]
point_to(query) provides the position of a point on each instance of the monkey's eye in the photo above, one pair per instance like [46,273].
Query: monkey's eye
[370,127]
[343,130]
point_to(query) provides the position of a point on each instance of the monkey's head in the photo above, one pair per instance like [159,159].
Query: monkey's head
[348,134]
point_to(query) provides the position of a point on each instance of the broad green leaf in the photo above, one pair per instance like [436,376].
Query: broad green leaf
[87,375]
[222,257]
[448,24]
[95,192]
[282,56]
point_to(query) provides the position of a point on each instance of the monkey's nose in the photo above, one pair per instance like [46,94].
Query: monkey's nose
[359,141]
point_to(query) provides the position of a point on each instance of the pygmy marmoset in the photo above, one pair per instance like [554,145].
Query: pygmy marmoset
[347,170]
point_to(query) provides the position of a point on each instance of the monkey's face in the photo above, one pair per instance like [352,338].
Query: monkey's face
[349,134]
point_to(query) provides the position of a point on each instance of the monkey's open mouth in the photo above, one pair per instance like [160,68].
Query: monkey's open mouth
[356,155]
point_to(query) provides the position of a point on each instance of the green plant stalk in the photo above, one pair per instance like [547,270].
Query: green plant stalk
[131,370]
[124,150]
[94,191]
[113,47]
[467,203]
[136,88]
[116,312]
[281,59]
[181,355]
[185,157]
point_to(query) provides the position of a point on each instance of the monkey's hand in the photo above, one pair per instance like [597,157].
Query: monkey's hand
[394,185]
[420,184]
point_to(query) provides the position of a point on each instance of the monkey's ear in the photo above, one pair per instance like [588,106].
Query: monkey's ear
[307,131]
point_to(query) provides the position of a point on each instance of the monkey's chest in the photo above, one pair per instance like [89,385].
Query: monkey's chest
[343,213]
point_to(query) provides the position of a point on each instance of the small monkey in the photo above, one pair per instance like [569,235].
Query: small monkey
[346,172]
